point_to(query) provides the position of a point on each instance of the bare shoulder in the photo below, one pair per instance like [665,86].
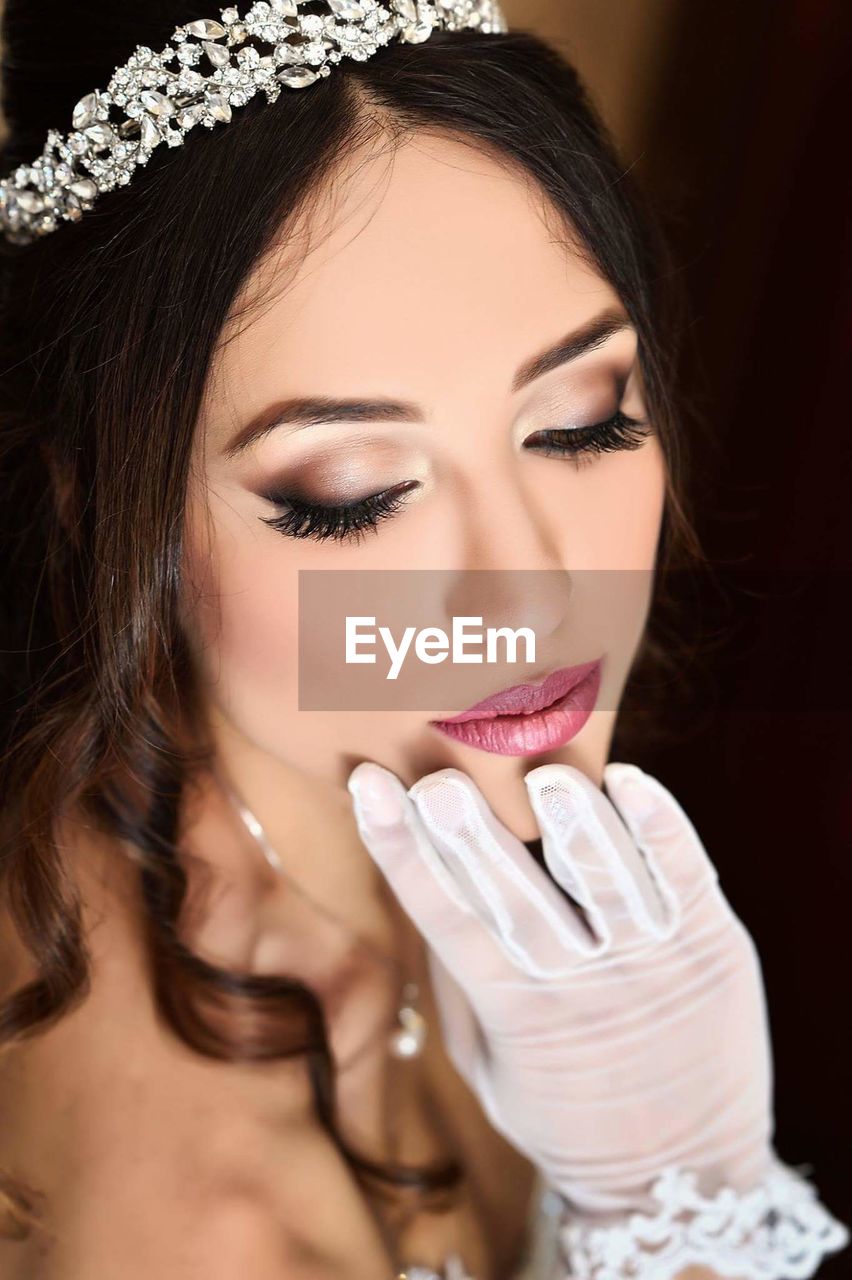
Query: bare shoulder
[150,1159]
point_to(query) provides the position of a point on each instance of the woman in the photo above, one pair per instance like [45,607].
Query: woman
[249,1018]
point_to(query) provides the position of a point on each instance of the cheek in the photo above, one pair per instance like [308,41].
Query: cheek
[606,518]
[243,608]
[606,515]
[638,497]
[241,614]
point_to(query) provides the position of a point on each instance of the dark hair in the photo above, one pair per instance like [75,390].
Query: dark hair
[109,328]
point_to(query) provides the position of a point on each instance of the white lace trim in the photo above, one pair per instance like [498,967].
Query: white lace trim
[777,1231]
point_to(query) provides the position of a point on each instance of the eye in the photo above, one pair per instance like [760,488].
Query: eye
[581,444]
[346,523]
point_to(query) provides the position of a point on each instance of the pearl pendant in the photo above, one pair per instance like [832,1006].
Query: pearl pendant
[407,1040]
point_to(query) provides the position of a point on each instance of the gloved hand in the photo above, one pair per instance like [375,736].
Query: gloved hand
[613,1032]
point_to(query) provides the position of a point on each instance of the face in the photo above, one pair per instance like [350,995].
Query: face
[432,281]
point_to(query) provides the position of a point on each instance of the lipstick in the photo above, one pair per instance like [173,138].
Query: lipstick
[526,719]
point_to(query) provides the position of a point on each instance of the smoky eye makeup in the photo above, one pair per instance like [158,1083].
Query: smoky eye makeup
[322,466]
[342,490]
[319,482]
[579,423]
[347,486]
[352,521]
[581,444]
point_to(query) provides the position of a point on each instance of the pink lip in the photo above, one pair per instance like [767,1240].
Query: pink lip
[526,719]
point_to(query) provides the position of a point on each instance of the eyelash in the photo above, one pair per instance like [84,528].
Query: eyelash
[351,521]
[582,443]
[344,523]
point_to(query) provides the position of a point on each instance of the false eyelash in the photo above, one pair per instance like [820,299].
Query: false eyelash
[351,521]
[348,522]
[618,432]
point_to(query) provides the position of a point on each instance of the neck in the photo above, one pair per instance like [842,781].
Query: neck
[311,827]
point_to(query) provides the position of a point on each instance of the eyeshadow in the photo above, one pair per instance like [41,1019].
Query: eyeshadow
[345,471]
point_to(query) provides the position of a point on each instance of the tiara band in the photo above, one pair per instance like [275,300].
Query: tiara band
[207,68]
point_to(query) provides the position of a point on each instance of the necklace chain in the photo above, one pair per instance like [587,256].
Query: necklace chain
[407,1038]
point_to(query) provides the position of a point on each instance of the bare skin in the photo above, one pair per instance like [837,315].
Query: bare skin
[429,279]
[122,1126]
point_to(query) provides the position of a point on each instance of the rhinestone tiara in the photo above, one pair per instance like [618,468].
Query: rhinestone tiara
[207,68]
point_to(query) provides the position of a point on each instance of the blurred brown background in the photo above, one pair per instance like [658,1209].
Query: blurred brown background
[735,119]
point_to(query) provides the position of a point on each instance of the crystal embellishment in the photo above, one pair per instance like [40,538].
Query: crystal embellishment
[85,111]
[206,29]
[208,67]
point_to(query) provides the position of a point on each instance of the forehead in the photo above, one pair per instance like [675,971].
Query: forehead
[429,271]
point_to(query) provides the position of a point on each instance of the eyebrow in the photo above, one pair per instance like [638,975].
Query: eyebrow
[309,411]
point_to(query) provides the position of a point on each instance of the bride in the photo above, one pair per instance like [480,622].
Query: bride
[299,980]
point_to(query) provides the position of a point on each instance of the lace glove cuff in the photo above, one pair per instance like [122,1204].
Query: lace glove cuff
[779,1230]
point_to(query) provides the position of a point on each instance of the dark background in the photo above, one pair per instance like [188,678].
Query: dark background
[749,153]
[744,146]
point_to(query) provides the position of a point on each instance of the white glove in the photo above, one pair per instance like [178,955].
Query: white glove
[617,1036]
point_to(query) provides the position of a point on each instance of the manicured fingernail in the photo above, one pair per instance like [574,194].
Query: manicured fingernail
[629,788]
[379,795]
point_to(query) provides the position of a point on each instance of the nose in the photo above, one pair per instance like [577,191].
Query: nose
[513,575]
